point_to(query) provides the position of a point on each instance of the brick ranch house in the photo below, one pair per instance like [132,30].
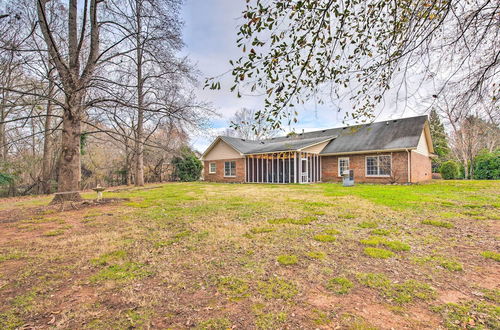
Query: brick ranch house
[394,151]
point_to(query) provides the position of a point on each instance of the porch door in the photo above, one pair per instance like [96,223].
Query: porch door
[305,170]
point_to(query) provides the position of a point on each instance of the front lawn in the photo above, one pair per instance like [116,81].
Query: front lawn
[216,256]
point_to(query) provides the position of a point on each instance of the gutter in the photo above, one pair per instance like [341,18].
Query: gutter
[369,151]
[408,152]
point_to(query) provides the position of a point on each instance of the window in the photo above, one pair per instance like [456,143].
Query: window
[230,168]
[212,168]
[343,165]
[378,165]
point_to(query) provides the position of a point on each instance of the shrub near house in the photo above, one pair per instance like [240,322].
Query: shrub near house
[487,166]
[449,170]
[187,166]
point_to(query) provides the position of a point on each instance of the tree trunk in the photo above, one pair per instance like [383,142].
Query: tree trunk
[47,140]
[69,167]
[128,168]
[3,115]
[3,147]
[139,147]
[139,144]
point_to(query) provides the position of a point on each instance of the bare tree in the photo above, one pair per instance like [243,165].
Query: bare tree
[153,30]
[75,77]
[473,136]
[247,124]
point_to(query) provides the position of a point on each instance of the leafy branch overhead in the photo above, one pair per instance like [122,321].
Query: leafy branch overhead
[326,49]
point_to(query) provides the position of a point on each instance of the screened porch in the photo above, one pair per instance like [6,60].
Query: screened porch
[283,167]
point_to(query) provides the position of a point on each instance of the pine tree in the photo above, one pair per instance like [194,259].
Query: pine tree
[439,139]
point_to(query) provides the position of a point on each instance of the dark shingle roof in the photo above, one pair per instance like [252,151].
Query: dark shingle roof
[255,147]
[392,134]
[385,135]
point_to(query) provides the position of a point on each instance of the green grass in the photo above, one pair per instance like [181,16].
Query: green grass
[491,255]
[451,265]
[55,232]
[277,288]
[398,293]
[331,231]
[470,315]
[260,230]
[381,232]
[125,271]
[287,260]
[416,197]
[444,262]
[15,255]
[378,253]
[324,238]
[393,245]
[301,221]
[233,287]
[270,321]
[368,224]
[214,324]
[397,246]
[492,295]
[339,285]
[316,255]
[438,223]
[109,258]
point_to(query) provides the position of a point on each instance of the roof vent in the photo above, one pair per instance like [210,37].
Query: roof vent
[323,131]
[242,139]
[395,120]
[344,127]
[387,123]
[262,142]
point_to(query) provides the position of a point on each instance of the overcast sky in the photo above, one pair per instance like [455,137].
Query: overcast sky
[210,36]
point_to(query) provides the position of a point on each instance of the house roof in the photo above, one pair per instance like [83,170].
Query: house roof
[384,135]
[269,145]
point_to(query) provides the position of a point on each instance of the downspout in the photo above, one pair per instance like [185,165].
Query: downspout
[409,165]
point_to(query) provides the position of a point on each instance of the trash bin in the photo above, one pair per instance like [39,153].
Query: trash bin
[348,178]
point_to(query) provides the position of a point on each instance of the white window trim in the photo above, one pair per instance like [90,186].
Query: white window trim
[230,176]
[210,168]
[338,164]
[376,175]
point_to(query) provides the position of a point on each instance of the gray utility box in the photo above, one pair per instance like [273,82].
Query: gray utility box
[348,178]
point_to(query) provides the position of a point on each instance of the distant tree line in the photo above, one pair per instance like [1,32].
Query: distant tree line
[470,152]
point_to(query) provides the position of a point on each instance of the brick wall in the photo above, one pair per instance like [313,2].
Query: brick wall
[218,176]
[329,167]
[421,167]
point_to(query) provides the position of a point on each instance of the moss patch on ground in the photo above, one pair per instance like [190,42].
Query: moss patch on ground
[287,260]
[470,315]
[339,285]
[378,253]
[438,223]
[398,293]
[277,288]
[491,255]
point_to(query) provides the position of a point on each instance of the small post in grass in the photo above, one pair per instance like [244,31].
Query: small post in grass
[98,189]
